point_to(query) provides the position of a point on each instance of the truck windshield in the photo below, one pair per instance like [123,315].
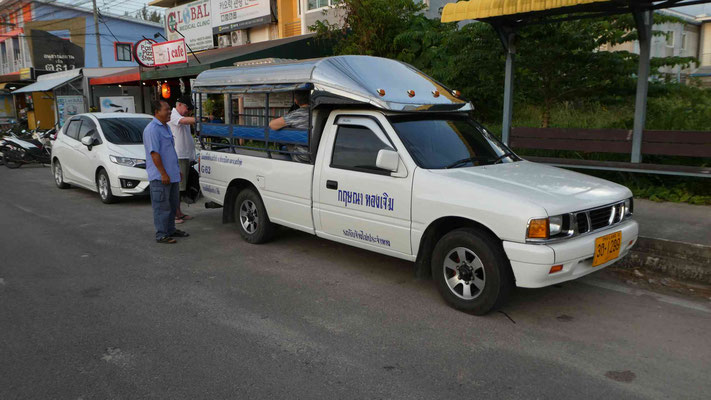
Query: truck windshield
[450,142]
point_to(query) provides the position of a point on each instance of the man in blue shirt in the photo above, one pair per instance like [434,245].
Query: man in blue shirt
[163,173]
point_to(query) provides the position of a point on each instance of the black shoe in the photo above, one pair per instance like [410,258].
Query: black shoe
[166,240]
[179,233]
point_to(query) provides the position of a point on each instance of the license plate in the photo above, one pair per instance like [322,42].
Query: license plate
[607,248]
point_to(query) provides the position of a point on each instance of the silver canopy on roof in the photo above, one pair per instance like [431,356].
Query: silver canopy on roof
[357,78]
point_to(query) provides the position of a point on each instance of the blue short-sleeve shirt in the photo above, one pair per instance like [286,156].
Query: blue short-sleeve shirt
[158,138]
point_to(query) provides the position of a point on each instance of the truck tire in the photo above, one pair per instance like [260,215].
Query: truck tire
[251,217]
[472,271]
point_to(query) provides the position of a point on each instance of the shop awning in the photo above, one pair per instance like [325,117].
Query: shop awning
[11,34]
[131,75]
[481,9]
[296,47]
[45,83]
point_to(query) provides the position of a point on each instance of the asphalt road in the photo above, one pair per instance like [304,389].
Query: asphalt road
[92,308]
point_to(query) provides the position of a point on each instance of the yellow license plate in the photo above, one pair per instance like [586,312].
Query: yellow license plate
[607,248]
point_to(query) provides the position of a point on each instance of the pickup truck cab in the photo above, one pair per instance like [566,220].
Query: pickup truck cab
[392,162]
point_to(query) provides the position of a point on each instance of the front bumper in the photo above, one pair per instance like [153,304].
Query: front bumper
[531,263]
[132,173]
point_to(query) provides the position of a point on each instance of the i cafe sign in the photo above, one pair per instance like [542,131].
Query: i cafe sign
[143,52]
[171,52]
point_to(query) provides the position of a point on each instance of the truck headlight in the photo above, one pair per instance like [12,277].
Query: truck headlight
[126,161]
[627,207]
[555,225]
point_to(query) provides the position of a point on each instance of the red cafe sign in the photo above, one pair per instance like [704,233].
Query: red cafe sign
[171,52]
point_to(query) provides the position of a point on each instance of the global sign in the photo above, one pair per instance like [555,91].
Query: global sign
[194,22]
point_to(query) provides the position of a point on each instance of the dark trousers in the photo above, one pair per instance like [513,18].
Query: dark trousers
[164,200]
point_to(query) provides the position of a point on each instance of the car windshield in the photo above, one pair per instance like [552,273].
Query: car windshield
[437,142]
[124,130]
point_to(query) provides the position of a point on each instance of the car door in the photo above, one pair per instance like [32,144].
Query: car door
[64,150]
[83,158]
[359,203]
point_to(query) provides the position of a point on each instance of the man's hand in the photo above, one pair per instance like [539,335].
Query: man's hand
[165,179]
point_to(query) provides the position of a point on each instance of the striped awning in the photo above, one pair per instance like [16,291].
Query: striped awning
[482,9]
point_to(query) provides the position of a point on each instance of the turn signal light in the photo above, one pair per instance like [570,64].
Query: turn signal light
[381,92]
[411,93]
[556,268]
[538,229]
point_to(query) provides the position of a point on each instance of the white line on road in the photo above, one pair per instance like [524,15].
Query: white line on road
[640,292]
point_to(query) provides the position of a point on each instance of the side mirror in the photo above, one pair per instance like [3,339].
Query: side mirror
[387,160]
[87,141]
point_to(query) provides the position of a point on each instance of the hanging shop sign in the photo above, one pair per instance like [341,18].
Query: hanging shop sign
[143,52]
[194,21]
[124,104]
[230,15]
[68,106]
[170,52]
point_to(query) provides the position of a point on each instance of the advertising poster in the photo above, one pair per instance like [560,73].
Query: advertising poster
[194,21]
[68,106]
[124,104]
[230,15]
[52,53]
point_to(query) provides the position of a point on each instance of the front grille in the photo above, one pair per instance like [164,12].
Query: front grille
[600,218]
[582,219]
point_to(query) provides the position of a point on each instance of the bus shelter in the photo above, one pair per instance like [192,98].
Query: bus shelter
[507,16]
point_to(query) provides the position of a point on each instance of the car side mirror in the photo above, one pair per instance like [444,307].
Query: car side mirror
[387,160]
[88,141]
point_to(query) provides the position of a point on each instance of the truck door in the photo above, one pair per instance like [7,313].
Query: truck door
[359,203]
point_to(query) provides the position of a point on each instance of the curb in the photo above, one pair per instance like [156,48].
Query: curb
[679,260]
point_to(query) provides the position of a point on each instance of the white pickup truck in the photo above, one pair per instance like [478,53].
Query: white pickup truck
[392,162]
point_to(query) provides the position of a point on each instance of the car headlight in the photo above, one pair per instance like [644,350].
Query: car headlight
[126,161]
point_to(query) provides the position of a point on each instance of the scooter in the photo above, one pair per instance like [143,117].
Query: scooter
[18,150]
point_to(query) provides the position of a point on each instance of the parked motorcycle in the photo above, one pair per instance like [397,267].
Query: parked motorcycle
[27,149]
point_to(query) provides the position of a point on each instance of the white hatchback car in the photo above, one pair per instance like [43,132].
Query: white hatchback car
[102,152]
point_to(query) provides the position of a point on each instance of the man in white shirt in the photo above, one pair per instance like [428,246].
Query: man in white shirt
[180,121]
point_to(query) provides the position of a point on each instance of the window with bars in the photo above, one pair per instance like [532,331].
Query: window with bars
[316,4]
[123,51]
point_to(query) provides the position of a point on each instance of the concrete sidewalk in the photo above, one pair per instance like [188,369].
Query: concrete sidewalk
[675,239]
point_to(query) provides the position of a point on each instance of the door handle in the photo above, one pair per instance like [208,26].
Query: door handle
[331,185]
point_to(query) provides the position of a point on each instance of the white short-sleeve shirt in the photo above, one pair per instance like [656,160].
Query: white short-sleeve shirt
[184,143]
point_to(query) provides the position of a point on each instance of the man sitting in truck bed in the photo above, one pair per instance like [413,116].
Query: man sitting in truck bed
[297,119]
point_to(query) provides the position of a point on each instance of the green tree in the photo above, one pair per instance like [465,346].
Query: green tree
[368,27]
[149,15]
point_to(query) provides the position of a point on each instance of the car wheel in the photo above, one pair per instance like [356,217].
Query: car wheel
[472,271]
[252,219]
[103,186]
[59,175]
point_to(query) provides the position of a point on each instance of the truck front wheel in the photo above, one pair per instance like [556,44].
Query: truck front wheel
[252,219]
[471,271]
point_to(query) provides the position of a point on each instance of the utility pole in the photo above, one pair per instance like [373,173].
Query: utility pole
[98,42]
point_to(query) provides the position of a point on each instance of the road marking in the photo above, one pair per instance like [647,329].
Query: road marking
[30,211]
[641,292]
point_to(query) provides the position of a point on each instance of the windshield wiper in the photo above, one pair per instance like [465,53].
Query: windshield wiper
[464,161]
[501,157]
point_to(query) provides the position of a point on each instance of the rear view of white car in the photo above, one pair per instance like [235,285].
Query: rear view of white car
[102,152]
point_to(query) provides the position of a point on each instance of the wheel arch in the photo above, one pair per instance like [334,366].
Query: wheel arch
[233,189]
[434,232]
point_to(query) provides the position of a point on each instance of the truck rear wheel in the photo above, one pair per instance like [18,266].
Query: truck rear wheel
[251,217]
[471,271]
